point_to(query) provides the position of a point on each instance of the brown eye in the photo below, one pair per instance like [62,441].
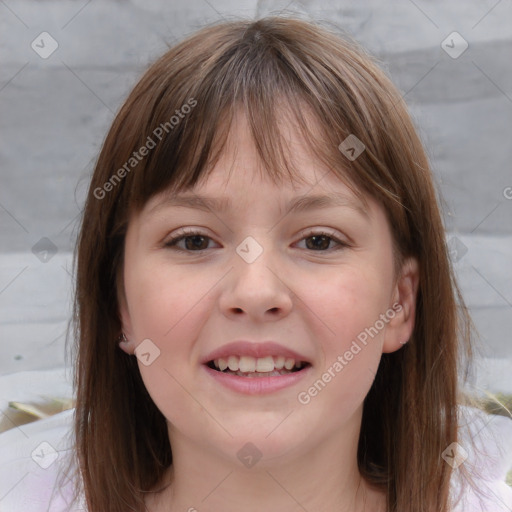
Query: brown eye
[194,241]
[319,241]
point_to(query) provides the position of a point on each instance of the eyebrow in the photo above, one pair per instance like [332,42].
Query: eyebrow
[296,205]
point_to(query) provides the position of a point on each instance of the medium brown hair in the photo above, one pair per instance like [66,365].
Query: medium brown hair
[268,68]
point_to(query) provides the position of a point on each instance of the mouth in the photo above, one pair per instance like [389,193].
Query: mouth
[252,367]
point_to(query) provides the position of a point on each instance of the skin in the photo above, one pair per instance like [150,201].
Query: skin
[315,301]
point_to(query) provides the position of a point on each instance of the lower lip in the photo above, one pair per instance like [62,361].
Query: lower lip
[257,385]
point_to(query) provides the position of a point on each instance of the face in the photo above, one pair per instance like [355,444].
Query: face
[311,287]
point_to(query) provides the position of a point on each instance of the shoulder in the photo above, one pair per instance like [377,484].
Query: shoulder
[481,460]
[33,459]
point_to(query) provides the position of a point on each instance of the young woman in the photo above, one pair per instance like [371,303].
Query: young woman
[266,316]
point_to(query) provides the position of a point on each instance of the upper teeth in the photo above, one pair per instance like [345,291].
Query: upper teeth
[252,364]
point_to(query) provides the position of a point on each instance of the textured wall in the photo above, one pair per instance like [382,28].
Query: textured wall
[55,109]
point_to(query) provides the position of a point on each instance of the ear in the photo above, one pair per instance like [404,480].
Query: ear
[126,324]
[400,327]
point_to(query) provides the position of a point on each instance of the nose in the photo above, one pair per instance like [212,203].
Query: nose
[256,287]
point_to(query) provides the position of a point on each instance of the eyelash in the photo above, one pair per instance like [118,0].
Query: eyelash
[185,233]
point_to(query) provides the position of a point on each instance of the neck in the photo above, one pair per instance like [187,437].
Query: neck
[325,479]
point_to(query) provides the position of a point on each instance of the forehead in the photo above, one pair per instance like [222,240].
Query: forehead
[241,190]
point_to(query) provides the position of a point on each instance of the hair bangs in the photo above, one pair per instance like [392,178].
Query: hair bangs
[254,79]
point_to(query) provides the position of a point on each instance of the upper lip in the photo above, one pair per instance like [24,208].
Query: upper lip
[252,349]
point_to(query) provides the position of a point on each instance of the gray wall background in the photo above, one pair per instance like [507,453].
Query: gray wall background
[56,110]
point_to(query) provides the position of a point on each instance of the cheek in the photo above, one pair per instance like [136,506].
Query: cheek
[349,304]
[349,307]
[168,307]
[163,300]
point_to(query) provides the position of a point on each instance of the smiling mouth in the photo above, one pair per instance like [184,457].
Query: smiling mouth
[246,366]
